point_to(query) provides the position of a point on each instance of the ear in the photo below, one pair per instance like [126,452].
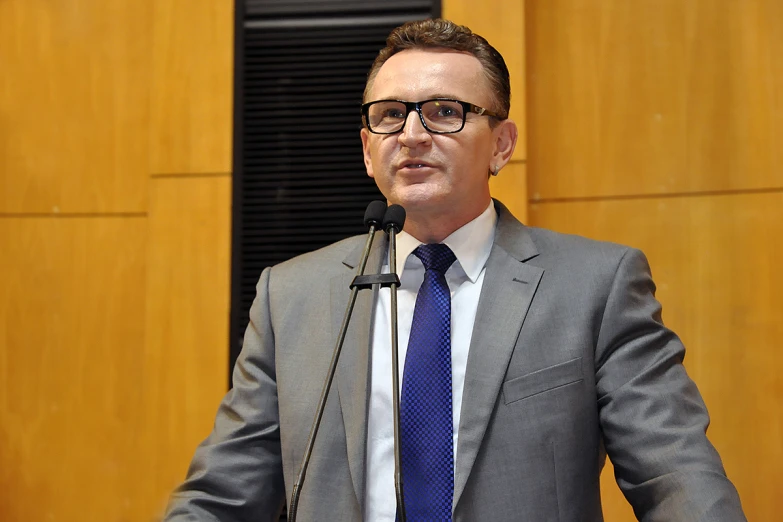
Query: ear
[365,134]
[505,135]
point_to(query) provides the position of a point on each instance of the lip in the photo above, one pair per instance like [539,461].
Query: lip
[414,164]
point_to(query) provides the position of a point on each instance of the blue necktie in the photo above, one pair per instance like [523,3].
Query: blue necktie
[426,443]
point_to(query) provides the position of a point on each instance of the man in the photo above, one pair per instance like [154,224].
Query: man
[527,355]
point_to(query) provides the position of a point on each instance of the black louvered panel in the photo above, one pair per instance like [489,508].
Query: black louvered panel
[300,182]
[301,8]
[304,183]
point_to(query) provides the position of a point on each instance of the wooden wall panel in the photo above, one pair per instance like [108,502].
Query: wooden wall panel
[616,508]
[74,106]
[192,82]
[716,261]
[503,25]
[510,187]
[101,400]
[654,96]
[71,369]
[188,296]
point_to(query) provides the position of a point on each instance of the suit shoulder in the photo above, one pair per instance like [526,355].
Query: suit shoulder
[546,238]
[330,255]
[569,249]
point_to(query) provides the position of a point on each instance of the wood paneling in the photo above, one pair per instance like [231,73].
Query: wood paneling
[716,261]
[192,87]
[102,400]
[654,96]
[616,508]
[71,369]
[503,25]
[188,291]
[510,187]
[74,105]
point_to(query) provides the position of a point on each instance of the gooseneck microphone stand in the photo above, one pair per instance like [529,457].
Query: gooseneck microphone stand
[392,223]
[373,217]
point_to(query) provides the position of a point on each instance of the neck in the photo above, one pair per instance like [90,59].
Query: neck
[429,228]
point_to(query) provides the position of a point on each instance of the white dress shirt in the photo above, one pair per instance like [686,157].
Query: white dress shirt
[471,245]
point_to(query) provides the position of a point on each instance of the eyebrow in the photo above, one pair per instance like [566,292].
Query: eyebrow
[451,96]
[428,97]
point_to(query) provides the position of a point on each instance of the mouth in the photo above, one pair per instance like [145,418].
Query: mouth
[414,164]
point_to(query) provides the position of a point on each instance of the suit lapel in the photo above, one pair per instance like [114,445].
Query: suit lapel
[508,289]
[353,370]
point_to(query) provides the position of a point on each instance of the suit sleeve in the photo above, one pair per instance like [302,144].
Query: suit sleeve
[653,418]
[236,474]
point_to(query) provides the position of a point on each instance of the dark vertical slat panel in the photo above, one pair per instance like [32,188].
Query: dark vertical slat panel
[304,181]
[303,8]
[299,178]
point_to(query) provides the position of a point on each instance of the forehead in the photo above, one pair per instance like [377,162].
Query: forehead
[415,75]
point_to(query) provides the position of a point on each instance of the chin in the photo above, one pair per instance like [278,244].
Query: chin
[418,197]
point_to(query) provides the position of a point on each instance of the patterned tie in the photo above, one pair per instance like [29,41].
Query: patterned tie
[426,443]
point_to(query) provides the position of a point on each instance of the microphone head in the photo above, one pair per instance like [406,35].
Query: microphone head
[373,216]
[394,218]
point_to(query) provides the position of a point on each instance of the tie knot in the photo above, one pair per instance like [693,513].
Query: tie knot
[436,257]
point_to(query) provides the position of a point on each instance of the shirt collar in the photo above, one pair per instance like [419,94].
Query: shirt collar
[470,243]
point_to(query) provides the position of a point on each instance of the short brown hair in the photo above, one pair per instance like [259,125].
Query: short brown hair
[444,34]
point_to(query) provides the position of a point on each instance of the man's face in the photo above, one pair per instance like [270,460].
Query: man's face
[436,175]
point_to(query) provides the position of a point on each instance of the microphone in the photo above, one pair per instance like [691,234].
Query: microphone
[373,217]
[374,214]
[394,218]
[393,221]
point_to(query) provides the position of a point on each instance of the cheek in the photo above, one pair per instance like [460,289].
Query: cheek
[474,151]
[476,159]
[382,152]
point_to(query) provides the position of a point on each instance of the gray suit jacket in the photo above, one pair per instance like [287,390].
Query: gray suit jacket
[569,361]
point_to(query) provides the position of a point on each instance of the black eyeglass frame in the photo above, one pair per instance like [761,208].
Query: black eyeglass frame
[409,106]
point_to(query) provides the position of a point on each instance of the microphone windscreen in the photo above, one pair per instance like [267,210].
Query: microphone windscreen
[373,216]
[394,217]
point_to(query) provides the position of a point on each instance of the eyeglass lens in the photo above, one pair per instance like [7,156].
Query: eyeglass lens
[439,116]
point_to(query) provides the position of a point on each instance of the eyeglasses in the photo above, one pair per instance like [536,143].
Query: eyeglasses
[438,115]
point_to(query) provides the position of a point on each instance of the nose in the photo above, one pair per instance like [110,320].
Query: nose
[413,132]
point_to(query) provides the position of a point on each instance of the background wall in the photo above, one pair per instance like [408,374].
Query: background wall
[656,123]
[503,24]
[659,124]
[115,175]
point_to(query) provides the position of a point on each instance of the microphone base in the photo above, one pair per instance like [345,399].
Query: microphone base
[366,281]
